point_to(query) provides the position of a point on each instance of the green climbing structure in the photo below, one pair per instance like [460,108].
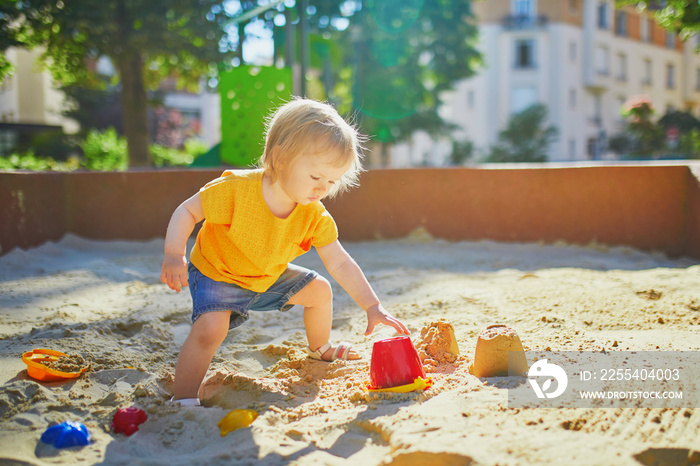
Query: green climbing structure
[248,94]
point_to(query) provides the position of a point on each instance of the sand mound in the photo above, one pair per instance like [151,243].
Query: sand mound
[438,344]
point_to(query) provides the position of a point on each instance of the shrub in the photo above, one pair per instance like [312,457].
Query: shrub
[170,157]
[105,151]
[525,138]
[461,152]
[29,161]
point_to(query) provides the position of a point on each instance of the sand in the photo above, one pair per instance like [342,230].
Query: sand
[104,302]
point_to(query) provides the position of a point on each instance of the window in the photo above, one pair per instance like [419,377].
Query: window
[645,29]
[470,99]
[670,40]
[621,23]
[572,98]
[572,149]
[603,15]
[572,51]
[621,67]
[646,78]
[525,53]
[523,7]
[8,142]
[597,108]
[603,60]
[670,76]
[697,79]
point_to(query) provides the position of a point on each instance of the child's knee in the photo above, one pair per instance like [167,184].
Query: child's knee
[322,289]
[208,332]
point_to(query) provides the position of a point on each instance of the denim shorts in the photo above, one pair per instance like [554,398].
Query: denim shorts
[210,295]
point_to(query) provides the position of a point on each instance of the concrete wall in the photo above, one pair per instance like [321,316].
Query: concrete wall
[644,206]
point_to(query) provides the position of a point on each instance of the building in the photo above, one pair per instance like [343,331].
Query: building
[581,58]
[30,102]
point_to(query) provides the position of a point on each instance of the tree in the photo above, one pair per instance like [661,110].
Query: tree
[525,139]
[146,41]
[397,59]
[648,136]
[684,122]
[679,16]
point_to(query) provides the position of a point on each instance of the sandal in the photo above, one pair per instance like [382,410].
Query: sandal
[342,351]
[186,401]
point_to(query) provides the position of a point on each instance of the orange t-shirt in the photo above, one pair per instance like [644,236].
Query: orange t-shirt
[241,241]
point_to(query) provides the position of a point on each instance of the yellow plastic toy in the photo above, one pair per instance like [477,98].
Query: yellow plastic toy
[418,384]
[36,368]
[236,419]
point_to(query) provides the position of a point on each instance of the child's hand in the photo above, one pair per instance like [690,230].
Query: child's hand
[173,272]
[378,315]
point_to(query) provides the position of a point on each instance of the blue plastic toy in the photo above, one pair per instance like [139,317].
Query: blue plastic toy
[66,434]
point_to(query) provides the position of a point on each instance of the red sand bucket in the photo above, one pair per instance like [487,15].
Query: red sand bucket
[395,362]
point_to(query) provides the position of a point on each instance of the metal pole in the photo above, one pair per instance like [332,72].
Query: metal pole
[289,39]
[303,46]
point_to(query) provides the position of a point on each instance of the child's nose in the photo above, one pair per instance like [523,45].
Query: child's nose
[321,188]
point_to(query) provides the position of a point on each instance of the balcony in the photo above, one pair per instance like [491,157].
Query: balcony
[517,22]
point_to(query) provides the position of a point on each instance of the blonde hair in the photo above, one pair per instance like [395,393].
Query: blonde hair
[303,126]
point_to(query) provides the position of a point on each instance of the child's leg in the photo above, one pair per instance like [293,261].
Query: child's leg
[317,299]
[206,335]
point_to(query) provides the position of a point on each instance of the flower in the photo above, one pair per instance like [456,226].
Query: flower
[637,106]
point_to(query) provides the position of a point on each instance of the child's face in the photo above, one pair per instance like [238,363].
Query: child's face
[311,177]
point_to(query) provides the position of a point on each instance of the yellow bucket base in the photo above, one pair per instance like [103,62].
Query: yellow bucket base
[418,384]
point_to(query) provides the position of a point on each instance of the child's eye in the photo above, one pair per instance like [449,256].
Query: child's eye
[331,182]
[315,178]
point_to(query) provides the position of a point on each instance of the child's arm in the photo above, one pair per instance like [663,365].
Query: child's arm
[348,274]
[173,272]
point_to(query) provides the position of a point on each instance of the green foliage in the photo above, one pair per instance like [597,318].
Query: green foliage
[621,143]
[105,151]
[397,58]
[525,138]
[195,147]
[682,121]
[689,144]
[462,151]
[29,161]
[679,16]
[170,157]
[647,136]
[54,144]
[643,138]
[178,37]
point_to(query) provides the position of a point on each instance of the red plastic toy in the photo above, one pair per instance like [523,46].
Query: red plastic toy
[394,363]
[126,421]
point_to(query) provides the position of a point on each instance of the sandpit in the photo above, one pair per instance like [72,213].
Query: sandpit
[103,301]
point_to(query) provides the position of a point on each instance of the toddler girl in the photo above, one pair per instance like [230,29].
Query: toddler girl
[255,223]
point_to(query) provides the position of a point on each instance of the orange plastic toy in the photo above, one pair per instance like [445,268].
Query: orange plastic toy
[36,369]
